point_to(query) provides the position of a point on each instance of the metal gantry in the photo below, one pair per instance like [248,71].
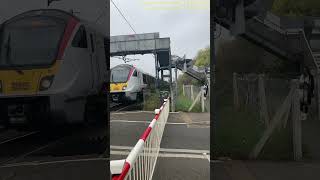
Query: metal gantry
[147,43]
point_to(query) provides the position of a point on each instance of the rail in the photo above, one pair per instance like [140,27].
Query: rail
[141,161]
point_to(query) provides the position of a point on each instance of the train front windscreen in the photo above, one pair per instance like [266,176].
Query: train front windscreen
[31,41]
[119,74]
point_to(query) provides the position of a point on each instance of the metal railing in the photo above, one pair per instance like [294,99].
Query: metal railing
[141,161]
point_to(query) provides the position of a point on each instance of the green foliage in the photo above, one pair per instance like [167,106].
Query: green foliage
[296,7]
[152,101]
[242,56]
[203,58]
[183,104]
[237,55]
[187,80]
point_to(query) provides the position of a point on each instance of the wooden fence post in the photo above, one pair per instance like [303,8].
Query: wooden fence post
[202,98]
[191,90]
[183,90]
[296,123]
[264,114]
[235,92]
[276,120]
[317,93]
[195,101]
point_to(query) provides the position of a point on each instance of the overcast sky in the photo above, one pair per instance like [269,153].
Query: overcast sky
[188,29]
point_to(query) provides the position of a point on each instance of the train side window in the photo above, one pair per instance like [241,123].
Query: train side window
[80,39]
[135,74]
[144,79]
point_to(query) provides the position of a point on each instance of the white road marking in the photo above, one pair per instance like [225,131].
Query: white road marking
[194,151]
[123,108]
[53,162]
[145,122]
[132,112]
[18,137]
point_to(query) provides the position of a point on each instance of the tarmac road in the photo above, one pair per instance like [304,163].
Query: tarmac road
[184,152]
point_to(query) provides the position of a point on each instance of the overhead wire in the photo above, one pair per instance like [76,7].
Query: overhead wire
[123,16]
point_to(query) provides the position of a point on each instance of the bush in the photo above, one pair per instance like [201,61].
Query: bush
[152,101]
[183,104]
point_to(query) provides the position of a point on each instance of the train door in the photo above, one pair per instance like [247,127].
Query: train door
[94,62]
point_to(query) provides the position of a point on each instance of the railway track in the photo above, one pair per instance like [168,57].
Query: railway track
[116,107]
[50,144]
[17,148]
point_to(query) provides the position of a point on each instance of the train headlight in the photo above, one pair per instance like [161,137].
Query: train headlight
[45,83]
[124,87]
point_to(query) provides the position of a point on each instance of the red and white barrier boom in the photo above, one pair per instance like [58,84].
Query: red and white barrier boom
[141,161]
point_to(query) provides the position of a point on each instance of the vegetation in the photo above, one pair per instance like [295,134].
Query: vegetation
[183,104]
[237,132]
[152,101]
[296,7]
[201,60]
[203,57]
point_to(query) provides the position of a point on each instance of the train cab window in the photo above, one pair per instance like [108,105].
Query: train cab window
[135,74]
[80,39]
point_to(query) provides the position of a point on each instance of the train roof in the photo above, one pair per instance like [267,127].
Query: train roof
[56,13]
[47,12]
[131,66]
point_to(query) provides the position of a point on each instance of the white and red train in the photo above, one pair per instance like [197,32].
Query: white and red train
[53,68]
[127,83]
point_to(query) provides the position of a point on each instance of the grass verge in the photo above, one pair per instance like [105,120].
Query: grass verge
[183,104]
[152,101]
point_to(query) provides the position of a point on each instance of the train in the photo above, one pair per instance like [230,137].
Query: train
[127,83]
[53,69]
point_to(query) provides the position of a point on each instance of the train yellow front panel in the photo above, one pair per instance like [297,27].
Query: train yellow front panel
[20,82]
[117,86]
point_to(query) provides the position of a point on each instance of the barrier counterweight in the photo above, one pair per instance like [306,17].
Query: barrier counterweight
[141,161]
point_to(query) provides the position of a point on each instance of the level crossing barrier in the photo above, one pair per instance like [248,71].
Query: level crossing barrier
[142,159]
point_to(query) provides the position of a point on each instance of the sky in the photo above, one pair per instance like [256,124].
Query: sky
[188,29]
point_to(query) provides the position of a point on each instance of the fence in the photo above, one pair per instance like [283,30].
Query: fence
[195,94]
[277,100]
[141,161]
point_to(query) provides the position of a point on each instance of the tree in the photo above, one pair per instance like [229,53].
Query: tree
[203,57]
[296,7]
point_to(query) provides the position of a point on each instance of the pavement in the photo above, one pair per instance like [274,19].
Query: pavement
[307,169]
[80,169]
[184,152]
[265,170]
